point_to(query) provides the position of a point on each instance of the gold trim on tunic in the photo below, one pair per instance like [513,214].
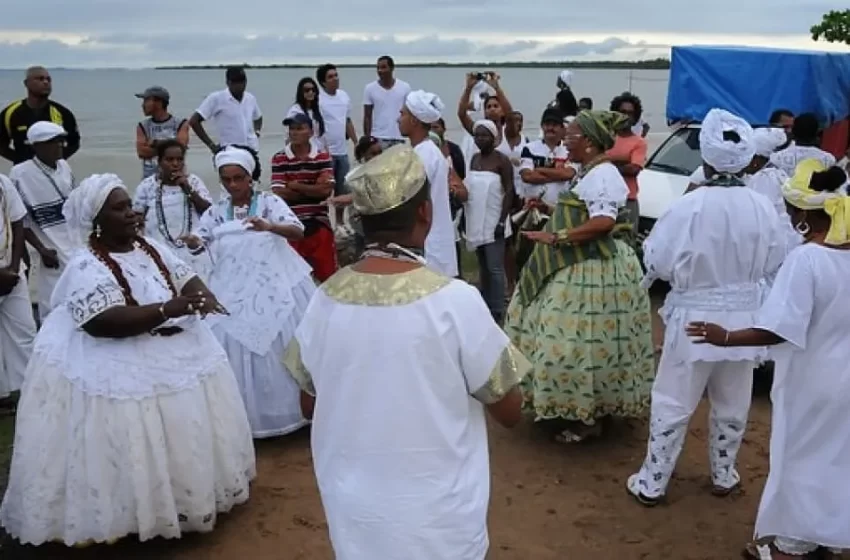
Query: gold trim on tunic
[385,290]
[510,369]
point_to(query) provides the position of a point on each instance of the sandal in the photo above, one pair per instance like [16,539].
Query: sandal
[761,549]
[568,436]
[721,492]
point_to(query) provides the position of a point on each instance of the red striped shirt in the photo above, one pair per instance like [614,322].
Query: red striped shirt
[309,170]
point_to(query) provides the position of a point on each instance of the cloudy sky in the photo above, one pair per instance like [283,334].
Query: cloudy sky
[134,33]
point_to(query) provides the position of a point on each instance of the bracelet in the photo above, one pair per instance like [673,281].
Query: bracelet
[726,340]
[162,312]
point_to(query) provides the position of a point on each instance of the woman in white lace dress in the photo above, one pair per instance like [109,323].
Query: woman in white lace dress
[130,420]
[264,284]
[172,202]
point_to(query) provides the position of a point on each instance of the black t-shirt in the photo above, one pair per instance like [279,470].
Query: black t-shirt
[17,117]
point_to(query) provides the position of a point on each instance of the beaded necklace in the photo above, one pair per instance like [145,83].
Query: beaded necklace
[252,208]
[394,252]
[102,254]
[162,223]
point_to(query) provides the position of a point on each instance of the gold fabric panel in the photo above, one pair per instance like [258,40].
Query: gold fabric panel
[293,362]
[356,288]
[510,369]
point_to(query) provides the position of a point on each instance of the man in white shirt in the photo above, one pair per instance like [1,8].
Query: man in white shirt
[422,109]
[44,183]
[383,100]
[335,106]
[234,112]
[17,325]
[804,146]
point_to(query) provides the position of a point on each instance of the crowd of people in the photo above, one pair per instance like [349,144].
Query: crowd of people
[174,327]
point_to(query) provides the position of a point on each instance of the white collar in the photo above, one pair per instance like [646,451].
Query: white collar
[314,151]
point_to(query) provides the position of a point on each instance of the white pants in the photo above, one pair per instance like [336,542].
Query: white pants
[17,333]
[676,394]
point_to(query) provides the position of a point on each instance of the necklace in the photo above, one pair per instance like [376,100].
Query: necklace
[394,252]
[242,214]
[48,173]
[162,223]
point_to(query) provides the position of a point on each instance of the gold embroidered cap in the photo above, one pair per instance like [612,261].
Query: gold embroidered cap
[387,181]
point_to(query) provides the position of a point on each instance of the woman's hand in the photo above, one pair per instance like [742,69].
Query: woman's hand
[256,223]
[200,303]
[493,80]
[707,333]
[471,80]
[192,241]
[544,237]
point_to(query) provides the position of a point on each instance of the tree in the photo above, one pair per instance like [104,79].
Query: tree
[834,28]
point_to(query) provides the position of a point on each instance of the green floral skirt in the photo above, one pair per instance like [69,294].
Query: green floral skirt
[588,335]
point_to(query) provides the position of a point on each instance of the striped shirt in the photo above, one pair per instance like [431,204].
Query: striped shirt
[309,170]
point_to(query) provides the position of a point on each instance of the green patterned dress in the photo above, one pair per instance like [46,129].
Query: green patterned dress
[582,319]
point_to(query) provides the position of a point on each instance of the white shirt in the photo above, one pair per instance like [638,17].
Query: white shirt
[788,159]
[387,105]
[698,176]
[537,154]
[233,119]
[336,110]
[440,249]
[12,209]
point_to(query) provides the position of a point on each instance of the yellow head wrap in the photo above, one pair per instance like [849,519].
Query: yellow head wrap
[798,193]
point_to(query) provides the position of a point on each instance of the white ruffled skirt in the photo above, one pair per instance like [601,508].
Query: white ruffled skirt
[89,465]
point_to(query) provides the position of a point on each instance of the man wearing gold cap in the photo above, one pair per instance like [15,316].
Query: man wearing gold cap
[398,407]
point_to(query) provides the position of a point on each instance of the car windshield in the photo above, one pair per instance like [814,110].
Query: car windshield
[679,154]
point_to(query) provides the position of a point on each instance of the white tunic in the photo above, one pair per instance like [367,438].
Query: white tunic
[440,249]
[399,442]
[789,158]
[768,181]
[715,246]
[807,493]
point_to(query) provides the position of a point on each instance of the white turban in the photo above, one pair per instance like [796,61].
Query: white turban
[724,155]
[425,106]
[235,156]
[767,140]
[489,125]
[85,201]
[566,78]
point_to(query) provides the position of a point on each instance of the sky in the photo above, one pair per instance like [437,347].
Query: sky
[136,34]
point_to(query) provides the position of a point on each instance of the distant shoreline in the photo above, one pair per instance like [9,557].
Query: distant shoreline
[656,64]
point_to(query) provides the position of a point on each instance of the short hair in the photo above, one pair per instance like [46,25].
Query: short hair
[322,72]
[398,221]
[628,97]
[441,121]
[163,146]
[778,114]
[389,60]
[586,101]
[363,146]
[806,127]
[235,74]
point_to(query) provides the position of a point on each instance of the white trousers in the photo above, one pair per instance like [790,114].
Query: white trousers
[676,394]
[17,333]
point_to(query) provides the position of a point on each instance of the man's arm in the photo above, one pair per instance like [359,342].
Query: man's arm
[350,132]
[183,133]
[195,122]
[72,141]
[368,107]
[323,188]
[6,151]
[143,148]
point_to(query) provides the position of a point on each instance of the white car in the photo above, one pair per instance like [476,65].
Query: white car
[665,177]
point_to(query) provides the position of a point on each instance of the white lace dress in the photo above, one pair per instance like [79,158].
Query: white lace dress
[115,436]
[266,286]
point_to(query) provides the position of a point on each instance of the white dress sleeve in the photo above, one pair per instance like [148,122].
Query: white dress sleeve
[180,272]
[199,187]
[603,190]
[208,221]
[277,211]
[88,289]
[787,311]
[662,248]
[491,365]
[142,199]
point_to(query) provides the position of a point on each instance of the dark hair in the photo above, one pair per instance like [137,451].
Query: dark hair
[586,101]
[566,102]
[301,101]
[441,121]
[829,180]
[322,72]
[806,128]
[257,171]
[235,74]
[363,146]
[628,97]
[163,145]
[389,60]
[396,222]
[777,115]
[731,136]
[487,99]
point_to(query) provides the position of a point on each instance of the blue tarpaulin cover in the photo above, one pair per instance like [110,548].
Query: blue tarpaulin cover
[754,82]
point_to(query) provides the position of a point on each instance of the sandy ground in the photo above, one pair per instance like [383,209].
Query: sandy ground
[548,502]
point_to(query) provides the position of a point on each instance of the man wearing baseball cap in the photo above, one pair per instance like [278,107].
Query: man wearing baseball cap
[158,125]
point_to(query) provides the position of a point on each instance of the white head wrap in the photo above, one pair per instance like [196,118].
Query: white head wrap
[235,156]
[84,202]
[566,78]
[767,140]
[724,155]
[489,125]
[425,106]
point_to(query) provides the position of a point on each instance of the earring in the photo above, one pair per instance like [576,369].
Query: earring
[803,228]
[97,230]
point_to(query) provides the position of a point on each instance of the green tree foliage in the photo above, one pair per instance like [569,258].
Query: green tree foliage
[834,28]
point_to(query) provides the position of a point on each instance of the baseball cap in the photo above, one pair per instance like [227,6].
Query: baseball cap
[552,115]
[44,131]
[157,92]
[296,119]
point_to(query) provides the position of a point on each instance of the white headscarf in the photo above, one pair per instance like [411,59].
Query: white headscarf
[235,156]
[426,107]
[489,125]
[85,201]
[767,140]
[566,78]
[724,155]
